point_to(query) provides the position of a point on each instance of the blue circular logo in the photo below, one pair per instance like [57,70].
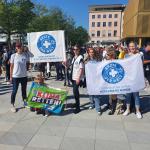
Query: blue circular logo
[113,73]
[46,43]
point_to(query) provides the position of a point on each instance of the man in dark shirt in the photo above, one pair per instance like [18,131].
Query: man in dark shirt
[146,61]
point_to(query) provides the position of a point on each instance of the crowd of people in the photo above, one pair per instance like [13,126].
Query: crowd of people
[72,72]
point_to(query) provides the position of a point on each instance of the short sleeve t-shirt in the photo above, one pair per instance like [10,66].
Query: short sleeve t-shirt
[20,67]
[77,65]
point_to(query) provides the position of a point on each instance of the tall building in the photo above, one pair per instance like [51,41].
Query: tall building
[137,21]
[105,23]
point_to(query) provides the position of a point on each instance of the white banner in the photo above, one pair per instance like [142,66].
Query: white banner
[47,46]
[115,77]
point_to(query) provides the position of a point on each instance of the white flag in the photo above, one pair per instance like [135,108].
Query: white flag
[115,77]
[48,46]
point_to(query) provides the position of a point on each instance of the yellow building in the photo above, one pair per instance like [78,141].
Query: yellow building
[137,21]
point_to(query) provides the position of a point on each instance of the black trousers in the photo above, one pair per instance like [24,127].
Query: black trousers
[59,73]
[15,82]
[76,95]
[147,75]
[7,72]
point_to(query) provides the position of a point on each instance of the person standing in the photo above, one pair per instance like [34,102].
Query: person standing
[1,62]
[132,51]
[146,61]
[93,57]
[6,62]
[77,74]
[18,74]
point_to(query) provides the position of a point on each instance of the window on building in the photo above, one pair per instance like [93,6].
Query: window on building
[98,16]
[110,15]
[116,16]
[109,24]
[104,24]
[93,24]
[93,34]
[93,16]
[98,24]
[109,33]
[115,24]
[104,16]
[103,33]
[98,33]
[115,33]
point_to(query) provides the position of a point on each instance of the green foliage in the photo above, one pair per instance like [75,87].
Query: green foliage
[55,19]
[22,16]
[15,16]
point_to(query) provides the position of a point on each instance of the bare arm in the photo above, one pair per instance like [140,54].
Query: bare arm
[80,75]
[146,61]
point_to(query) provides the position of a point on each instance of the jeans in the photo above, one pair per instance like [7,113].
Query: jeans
[136,98]
[67,76]
[15,82]
[76,95]
[95,101]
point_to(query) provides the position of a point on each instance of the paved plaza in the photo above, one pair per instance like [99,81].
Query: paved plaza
[26,130]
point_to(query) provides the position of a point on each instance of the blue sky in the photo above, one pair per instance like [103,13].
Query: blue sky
[78,9]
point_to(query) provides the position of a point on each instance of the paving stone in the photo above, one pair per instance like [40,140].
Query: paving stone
[138,137]
[111,135]
[140,127]
[77,132]
[111,145]
[13,117]
[82,123]
[5,126]
[44,141]
[57,121]
[109,125]
[28,125]
[77,144]
[136,146]
[105,116]
[35,148]
[52,131]
[26,130]
[11,138]
[10,147]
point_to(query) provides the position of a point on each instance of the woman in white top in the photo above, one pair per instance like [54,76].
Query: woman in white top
[77,74]
[18,74]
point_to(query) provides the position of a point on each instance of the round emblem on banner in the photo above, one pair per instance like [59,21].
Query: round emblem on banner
[46,43]
[113,73]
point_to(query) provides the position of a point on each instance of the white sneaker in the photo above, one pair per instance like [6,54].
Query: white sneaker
[139,115]
[90,107]
[13,109]
[8,83]
[126,113]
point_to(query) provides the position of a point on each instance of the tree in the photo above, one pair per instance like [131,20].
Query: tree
[15,16]
[80,36]
[55,19]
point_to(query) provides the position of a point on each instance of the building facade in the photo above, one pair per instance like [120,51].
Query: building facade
[137,21]
[105,23]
